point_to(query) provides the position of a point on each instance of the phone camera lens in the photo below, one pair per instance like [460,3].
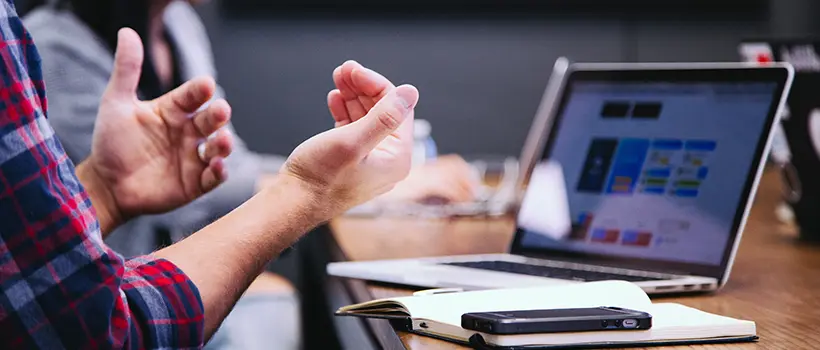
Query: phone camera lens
[617,323]
[604,323]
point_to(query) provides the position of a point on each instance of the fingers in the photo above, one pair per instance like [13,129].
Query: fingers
[127,64]
[354,107]
[361,81]
[371,86]
[216,149]
[369,83]
[213,175]
[212,118]
[468,189]
[360,88]
[449,177]
[453,194]
[457,168]
[441,192]
[385,118]
[462,180]
[336,104]
[341,83]
[186,99]
[218,146]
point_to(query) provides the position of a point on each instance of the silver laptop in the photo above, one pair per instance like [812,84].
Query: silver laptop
[636,172]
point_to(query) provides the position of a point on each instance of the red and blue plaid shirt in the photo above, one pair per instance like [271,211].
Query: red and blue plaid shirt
[61,287]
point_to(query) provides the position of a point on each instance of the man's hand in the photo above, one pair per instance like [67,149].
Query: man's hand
[144,156]
[447,179]
[368,151]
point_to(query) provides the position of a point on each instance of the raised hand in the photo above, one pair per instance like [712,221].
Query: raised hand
[145,153]
[357,91]
[368,151]
[448,179]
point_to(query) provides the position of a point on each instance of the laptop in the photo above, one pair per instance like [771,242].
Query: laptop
[659,164]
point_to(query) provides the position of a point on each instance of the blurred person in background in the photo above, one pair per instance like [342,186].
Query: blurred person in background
[77,38]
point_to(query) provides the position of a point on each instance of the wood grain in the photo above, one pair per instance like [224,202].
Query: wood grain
[775,280]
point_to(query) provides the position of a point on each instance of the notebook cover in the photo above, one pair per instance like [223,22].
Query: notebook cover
[376,316]
[477,342]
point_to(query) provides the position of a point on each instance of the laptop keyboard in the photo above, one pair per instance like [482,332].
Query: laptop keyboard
[551,271]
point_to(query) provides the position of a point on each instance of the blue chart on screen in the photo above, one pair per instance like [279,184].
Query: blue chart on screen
[626,168]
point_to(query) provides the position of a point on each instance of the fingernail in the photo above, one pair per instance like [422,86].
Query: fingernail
[371,74]
[200,151]
[407,95]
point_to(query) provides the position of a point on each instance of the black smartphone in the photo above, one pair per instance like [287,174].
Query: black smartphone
[556,320]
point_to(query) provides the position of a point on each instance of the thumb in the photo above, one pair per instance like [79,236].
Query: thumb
[127,63]
[386,117]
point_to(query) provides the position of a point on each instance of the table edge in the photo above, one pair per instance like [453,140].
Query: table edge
[380,331]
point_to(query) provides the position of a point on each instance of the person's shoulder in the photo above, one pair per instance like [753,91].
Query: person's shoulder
[48,25]
[193,44]
[181,16]
[182,9]
[53,29]
[62,40]
[7,9]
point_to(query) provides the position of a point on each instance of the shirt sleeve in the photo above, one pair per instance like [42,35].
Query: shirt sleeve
[60,286]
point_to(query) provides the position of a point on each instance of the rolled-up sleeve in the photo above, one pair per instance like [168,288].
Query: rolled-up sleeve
[168,302]
[61,287]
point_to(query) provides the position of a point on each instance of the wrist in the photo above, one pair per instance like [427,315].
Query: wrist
[101,196]
[306,200]
[265,180]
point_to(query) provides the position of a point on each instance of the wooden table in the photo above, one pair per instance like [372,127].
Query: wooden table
[775,281]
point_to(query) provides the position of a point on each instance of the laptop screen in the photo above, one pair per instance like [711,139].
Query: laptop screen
[652,170]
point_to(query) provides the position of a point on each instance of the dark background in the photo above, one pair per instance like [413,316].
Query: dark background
[481,70]
[480,65]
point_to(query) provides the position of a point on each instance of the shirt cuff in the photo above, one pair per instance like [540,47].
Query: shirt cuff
[166,303]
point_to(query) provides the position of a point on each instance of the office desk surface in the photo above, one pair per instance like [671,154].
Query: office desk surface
[775,280]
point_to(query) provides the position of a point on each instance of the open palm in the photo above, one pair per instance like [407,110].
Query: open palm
[147,151]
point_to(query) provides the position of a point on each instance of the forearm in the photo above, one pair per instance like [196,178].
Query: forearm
[101,198]
[225,257]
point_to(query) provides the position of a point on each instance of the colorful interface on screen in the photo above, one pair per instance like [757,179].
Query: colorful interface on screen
[655,170]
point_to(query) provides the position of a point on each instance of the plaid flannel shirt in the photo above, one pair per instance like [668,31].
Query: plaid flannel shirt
[62,287]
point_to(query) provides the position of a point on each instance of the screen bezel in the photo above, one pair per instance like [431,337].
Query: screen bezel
[777,74]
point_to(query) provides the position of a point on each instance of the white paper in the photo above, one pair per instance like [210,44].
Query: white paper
[545,207]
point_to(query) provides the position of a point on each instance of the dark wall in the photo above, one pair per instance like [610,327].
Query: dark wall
[480,77]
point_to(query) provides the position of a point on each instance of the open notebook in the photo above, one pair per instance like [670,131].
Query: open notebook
[439,315]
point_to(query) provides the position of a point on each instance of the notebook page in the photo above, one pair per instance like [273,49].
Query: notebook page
[675,320]
[448,308]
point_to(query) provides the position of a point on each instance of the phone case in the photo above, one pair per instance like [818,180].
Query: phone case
[579,323]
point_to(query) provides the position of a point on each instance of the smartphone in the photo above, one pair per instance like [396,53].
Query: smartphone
[556,320]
